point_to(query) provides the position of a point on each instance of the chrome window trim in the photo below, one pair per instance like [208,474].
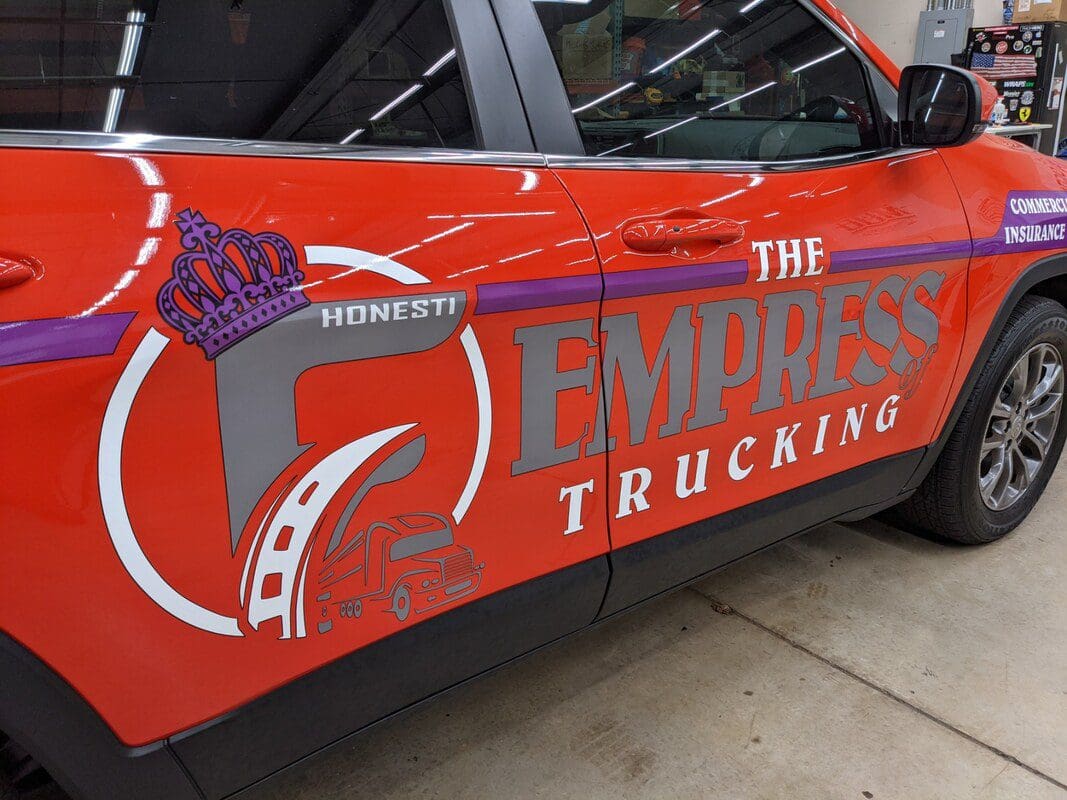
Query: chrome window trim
[150,143]
[697,165]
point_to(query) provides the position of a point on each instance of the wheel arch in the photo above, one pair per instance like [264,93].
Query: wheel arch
[1046,277]
[45,715]
[1054,288]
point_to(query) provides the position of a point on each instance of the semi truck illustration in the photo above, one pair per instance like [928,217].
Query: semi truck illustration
[407,564]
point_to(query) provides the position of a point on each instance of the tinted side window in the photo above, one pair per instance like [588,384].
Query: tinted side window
[735,80]
[335,71]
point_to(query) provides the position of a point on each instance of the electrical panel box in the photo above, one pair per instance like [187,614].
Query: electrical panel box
[942,34]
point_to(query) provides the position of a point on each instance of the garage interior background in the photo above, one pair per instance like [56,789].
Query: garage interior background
[894,25]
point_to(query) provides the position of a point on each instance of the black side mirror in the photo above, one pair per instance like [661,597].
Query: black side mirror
[940,106]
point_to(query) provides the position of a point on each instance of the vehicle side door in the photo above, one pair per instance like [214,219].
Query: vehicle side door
[252,371]
[785,292]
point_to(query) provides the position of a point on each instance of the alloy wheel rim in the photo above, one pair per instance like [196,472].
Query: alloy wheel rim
[1021,427]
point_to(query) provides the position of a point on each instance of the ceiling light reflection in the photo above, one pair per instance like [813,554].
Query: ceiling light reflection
[615,149]
[436,66]
[819,60]
[744,96]
[449,232]
[602,98]
[662,131]
[131,42]
[400,98]
[686,51]
[159,210]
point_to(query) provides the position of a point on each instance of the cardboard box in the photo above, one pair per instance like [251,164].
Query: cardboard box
[723,83]
[586,57]
[654,9]
[1040,11]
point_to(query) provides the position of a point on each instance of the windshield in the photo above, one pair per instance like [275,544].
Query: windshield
[419,543]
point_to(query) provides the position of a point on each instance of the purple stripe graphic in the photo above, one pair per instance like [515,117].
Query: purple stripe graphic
[877,257]
[674,279]
[35,340]
[519,295]
[997,247]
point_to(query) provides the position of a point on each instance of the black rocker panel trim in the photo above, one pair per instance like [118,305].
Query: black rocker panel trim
[43,714]
[665,562]
[1045,270]
[377,681]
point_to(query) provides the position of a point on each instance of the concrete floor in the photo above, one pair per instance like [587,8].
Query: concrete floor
[854,662]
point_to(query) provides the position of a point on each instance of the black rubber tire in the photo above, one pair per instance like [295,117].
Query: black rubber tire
[949,503]
[23,772]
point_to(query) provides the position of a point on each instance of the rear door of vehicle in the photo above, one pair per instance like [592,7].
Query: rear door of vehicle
[250,358]
[784,291]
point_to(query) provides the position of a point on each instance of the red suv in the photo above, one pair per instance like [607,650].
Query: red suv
[620,291]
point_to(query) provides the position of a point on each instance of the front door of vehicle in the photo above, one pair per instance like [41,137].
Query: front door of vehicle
[766,324]
[268,409]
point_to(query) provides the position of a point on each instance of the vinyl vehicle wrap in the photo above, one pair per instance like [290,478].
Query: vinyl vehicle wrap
[294,437]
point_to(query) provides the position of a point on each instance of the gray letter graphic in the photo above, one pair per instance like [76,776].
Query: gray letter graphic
[624,353]
[256,385]
[834,329]
[776,362]
[541,384]
[881,328]
[919,320]
[713,376]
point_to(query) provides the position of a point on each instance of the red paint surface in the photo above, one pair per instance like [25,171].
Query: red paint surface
[89,220]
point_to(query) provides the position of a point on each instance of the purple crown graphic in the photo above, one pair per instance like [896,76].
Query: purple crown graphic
[227,286]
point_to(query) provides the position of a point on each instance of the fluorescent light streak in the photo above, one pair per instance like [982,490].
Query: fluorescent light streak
[124,282]
[751,6]
[937,89]
[723,199]
[933,100]
[114,106]
[530,180]
[465,271]
[819,60]
[670,127]
[615,149]
[449,232]
[159,210]
[682,53]
[527,254]
[691,9]
[440,63]
[147,170]
[400,98]
[741,97]
[602,98]
[148,250]
[131,42]
[353,135]
[493,215]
